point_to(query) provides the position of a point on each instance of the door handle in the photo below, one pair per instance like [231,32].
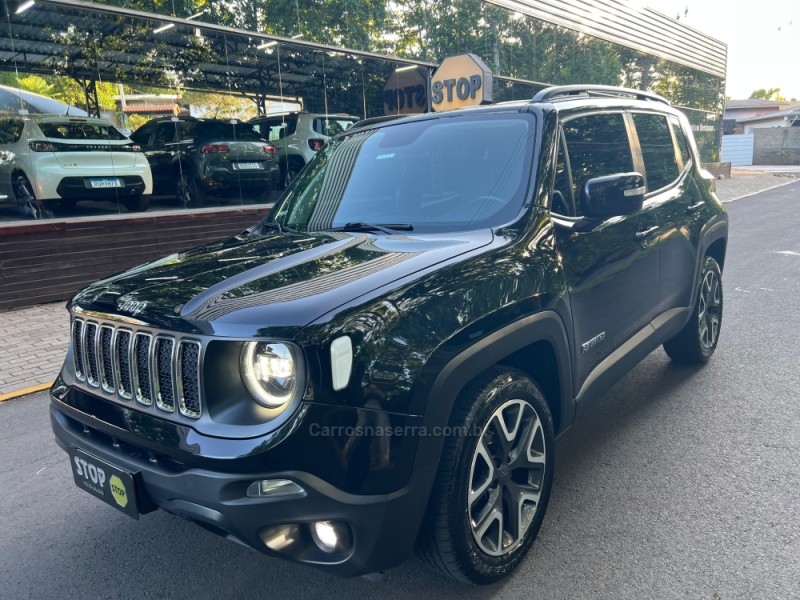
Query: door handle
[695,207]
[646,233]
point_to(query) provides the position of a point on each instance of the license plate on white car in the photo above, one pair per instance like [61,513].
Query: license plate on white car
[249,165]
[105,182]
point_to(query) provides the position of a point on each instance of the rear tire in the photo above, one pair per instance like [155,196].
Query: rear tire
[190,193]
[137,203]
[290,171]
[696,342]
[27,203]
[494,479]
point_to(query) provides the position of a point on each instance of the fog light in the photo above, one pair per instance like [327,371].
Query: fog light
[331,536]
[274,488]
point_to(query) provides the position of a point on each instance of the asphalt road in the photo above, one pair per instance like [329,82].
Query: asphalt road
[679,483]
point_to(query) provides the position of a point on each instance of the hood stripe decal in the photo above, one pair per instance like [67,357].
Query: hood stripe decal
[217,290]
[218,307]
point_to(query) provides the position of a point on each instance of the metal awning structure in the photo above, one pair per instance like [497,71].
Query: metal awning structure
[95,42]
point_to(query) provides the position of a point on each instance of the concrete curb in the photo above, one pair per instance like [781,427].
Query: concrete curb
[25,391]
[777,185]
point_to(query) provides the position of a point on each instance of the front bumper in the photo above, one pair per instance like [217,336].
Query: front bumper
[383,527]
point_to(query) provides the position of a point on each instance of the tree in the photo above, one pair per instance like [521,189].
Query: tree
[767,94]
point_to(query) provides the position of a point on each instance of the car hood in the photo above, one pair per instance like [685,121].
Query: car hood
[273,284]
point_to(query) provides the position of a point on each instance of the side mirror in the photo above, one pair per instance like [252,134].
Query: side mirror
[613,195]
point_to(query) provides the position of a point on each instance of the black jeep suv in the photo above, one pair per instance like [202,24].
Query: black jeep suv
[386,359]
[192,158]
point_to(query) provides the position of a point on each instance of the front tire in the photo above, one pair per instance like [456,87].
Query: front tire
[696,342]
[494,479]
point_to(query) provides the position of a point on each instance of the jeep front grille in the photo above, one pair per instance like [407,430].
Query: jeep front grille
[161,372]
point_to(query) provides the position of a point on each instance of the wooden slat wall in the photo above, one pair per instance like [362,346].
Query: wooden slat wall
[51,260]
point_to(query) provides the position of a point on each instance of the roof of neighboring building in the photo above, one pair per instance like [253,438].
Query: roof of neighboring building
[753,103]
[793,111]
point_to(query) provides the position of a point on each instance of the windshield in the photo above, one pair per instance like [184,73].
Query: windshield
[438,175]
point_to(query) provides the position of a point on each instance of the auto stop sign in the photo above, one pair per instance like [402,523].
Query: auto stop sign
[462,80]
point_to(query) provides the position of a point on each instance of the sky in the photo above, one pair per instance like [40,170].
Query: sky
[763,40]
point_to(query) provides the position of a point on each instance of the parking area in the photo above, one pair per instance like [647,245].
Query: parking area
[679,483]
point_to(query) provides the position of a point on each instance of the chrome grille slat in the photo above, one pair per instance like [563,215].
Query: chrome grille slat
[90,348]
[164,359]
[106,345]
[123,363]
[77,349]
[188,377]
[141,368]
[160,371]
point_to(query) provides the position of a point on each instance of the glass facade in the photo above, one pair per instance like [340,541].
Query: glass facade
[150,68]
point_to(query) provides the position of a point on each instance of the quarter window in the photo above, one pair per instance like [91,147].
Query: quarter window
[658,150]
[597,145]
[683,145]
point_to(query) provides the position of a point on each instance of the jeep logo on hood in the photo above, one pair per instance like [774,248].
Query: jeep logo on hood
[134,307]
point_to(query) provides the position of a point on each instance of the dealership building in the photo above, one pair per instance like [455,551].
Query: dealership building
[369,62]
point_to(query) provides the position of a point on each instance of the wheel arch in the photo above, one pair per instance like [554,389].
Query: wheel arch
[716,250]
[537,345]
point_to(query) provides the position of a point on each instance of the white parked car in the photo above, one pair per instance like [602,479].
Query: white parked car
[298,136]
[53,158]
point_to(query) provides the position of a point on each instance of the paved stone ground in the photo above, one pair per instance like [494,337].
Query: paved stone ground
[34,345]
[746,181]
[36,338]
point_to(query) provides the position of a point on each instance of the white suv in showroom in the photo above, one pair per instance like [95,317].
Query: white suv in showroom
[54,158]
[299,136]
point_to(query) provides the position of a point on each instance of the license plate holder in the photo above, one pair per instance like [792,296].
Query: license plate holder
[112,485]
[248,166]
[104,182]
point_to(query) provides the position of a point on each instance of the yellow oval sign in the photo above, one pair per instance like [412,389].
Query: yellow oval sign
[462,80]
[118,491]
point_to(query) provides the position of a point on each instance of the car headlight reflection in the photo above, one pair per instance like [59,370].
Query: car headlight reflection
[269,371]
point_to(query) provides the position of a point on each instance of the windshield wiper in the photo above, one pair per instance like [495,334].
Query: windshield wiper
[389,228]
[263,225]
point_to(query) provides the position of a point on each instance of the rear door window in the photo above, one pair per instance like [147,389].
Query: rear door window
[658,150]
[332,126]
[276,128]
[142,135]
[165,134]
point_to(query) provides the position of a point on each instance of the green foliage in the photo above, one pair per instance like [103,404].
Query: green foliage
[767,94]
[39,85]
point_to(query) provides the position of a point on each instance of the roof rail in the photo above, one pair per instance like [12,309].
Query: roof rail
[595,90]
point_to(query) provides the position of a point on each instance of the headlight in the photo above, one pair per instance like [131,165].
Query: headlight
[269,371]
